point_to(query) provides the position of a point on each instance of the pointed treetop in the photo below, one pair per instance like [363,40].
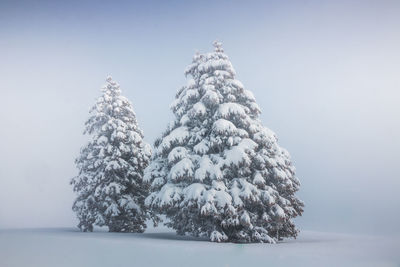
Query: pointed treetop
[218,46]
[110,80]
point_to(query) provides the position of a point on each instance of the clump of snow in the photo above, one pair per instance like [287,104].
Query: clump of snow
[182,169]
[225,127]
[228,109]
[218,237]
[178,136]
[176,154]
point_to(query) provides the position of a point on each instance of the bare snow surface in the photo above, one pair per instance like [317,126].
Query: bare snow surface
[161,247]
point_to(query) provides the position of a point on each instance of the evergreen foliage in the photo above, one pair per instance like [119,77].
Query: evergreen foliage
[110,184]
[217,171]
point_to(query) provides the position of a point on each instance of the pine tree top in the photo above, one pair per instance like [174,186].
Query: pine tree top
[218,46]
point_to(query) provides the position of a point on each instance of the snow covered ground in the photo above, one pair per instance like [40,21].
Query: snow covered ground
[161,247]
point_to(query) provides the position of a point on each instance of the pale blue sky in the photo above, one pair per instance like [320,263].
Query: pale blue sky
[325,74]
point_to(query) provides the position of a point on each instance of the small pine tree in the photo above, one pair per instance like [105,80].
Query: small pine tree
[110,184]
[216,170]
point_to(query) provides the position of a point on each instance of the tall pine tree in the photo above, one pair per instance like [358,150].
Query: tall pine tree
[110,184]
[216,170]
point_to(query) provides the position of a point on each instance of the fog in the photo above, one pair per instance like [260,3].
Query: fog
[325,74]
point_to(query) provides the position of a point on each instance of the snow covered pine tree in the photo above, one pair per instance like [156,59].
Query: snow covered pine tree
[217,171]
[110,184]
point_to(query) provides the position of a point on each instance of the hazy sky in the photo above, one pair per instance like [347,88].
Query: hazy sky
[325,74]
